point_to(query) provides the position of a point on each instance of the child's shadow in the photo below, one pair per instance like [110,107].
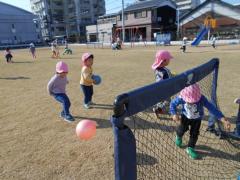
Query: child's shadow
[208,151]
[102,106]
[103,123]
[14,78]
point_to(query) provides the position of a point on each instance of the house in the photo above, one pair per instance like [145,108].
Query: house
[103,30]
[143,19]
[18,26]
[221,17]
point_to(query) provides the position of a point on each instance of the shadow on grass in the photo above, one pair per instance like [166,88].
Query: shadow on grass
[102,123]
[14,78]
[22,62]
[145,159]
[208,151]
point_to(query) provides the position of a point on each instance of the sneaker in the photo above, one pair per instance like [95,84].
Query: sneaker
[62,115]
[192,153]
[69,118]
[87,106]
[178,141]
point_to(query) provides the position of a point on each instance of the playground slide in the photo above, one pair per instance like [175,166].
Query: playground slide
[200,36]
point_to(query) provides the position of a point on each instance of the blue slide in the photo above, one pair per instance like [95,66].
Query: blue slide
[200,36]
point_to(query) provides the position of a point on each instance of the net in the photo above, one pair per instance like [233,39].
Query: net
[153,136]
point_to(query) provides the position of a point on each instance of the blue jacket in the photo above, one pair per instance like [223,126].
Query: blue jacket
[194,110]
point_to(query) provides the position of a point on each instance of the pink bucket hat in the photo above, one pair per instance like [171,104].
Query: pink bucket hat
[191,94]
[161,55]
[85,56]
[61,67]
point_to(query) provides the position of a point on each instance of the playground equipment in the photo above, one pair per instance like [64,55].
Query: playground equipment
[209,23]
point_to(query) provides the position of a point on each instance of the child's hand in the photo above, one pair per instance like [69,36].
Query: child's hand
[226,124]
[176,118]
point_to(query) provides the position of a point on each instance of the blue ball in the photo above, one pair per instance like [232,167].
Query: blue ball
[97,79]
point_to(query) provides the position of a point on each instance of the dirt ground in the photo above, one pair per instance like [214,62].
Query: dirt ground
[37,144]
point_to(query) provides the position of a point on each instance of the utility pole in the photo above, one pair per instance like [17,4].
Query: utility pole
[178,25]
[123,25]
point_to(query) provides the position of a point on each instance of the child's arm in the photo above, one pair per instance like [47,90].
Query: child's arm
[219,115]
[173,108]
[50,86]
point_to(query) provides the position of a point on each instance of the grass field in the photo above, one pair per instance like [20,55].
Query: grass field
[37,144]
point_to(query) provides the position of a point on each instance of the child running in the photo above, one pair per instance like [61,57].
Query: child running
[162,60]
[8,55]
[192,102]
[57,88]
[86,81]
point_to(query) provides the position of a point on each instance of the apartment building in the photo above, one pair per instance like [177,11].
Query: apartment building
[67,17]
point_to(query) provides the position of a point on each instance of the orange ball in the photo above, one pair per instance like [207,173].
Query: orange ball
[86,129]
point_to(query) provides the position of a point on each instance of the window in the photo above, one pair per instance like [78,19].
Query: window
[119,18]
[125,16]
[140,14]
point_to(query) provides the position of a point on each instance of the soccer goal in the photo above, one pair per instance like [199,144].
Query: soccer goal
[144,144]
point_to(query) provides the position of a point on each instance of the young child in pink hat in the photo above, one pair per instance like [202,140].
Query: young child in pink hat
[162,59]
[86,81]
[192,102]
[57,88]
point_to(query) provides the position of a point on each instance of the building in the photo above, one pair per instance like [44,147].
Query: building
[187,4]
[103,30]
[17,26]
[62,17]
[222,18]
[143,19]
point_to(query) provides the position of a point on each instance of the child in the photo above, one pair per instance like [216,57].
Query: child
[86,80]
[184,44]
[192,102]
[162,59]
[55,49]
[8,55]
[57,88]
[66,49]
[32,49]
[213,41]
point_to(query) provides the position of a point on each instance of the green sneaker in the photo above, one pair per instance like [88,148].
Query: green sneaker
[178,141]
[192,153]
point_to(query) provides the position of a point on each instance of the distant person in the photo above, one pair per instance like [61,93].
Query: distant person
[184,44]
[192,102]
[67,50]
[32,50]
[213,41]
[55,49]
[57,88]
[8,55]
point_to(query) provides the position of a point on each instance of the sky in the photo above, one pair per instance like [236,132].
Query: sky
[112,6]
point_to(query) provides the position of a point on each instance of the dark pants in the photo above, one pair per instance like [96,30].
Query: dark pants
[88,93]
[64,100]
[184,48]
[194,129]
[8,57]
